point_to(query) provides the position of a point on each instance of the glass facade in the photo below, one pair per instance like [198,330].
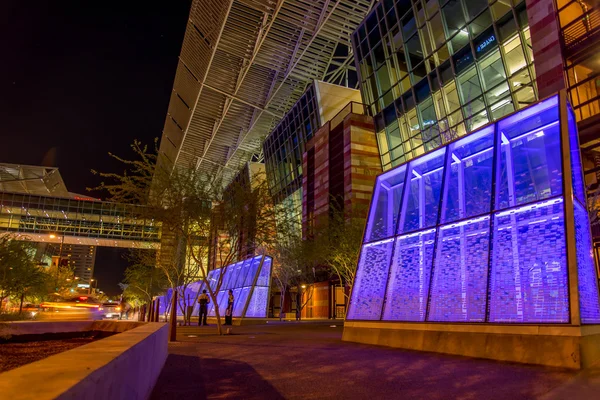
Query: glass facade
[432,70]
[284,146]
[475,231]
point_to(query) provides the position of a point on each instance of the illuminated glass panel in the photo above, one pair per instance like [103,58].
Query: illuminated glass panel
[530,164]
[587,279]
[408,286]
[240,301]
[241,271]
[423,193]
[468,187]
[525,278]
[264,278]
[529,268]
[252,270]
[385,205]
[576,168]
[257,308]
[459,285]
[369,286]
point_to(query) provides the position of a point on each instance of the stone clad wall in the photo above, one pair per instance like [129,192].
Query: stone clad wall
[123,366]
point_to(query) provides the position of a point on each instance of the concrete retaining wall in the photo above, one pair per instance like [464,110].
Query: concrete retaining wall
[557,346]
[19,328]
[123,366]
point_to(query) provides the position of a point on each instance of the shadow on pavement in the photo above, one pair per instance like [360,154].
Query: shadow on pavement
[190,377]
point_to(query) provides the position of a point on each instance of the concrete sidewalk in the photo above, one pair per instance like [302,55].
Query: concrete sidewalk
[309,361]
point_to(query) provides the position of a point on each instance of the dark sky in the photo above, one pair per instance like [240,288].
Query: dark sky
[81,78]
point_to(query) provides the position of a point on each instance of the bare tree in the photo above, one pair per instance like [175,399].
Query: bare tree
[202,221]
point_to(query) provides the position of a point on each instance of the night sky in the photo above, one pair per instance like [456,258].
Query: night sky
[79,79]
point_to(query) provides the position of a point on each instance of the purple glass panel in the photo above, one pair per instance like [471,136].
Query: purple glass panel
[469,178]
[408,286]
[423,192]
[229,277]
[371,277]
[385,205]
[459,284]
[213,277]
[530,163]
[586,269]
[576,168]
[211,307]
[529,270]
[240,300]
[257,308]
[241,271]
[531,118]
[252,270]
[264,278]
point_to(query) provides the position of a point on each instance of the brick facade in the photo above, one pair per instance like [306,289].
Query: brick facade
[547,49]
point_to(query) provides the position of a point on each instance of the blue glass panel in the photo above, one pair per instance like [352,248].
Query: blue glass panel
[229,277]
[240,300]
[213,277]
[576,168]
[469,179]
[385,205]
[257,308]
[529,269]
[530,163]
[242,269]
[408,286]
[589,306]
[264,278]
[459,285]
[211,308]
[252,270]
[371,277]
[423,193]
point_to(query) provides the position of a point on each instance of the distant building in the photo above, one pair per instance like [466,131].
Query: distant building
[321,157]
[80,258]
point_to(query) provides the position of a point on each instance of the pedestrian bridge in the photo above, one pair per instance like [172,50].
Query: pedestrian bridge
[78,220]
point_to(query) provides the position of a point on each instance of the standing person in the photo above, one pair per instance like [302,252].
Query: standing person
[229,310]
[203,300]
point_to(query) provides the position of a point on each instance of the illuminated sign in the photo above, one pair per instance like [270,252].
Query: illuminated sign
[85,198]
[490,40]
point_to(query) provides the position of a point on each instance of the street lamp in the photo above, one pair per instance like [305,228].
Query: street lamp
[62,241]
[90,287]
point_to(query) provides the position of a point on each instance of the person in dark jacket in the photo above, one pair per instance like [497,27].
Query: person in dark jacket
[203,300]
[229,310]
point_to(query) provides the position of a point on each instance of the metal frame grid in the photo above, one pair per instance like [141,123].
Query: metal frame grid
[243,64]
[33,214]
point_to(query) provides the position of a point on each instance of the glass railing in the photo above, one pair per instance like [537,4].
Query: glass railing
[351,108]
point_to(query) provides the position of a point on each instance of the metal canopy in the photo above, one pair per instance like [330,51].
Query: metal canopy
[243,64]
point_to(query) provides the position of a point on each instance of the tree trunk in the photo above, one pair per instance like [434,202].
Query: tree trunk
[173,319]
[281,302]
[21,304]
[219,328]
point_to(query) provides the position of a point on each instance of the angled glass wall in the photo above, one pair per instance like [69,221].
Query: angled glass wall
[433,70]
[476,231]
[250,281]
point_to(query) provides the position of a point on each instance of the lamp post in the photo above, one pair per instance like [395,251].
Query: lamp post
[90,287]
[62,241]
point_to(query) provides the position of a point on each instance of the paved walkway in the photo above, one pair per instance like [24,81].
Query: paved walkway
[309,361]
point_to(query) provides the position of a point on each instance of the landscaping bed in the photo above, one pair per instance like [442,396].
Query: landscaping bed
[19,351]
[13,355]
